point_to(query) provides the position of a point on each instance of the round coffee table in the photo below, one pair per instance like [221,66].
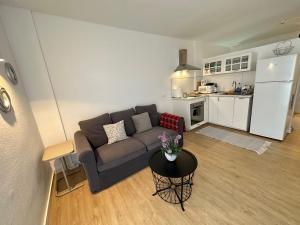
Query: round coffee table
[173,180]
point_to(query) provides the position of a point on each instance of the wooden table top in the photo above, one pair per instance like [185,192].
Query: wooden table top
[58,151]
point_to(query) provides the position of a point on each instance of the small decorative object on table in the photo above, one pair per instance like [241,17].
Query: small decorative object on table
[170,146]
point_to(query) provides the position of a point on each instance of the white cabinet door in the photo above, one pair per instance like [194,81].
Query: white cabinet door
[225,111]
[206,110]
[213,109]
[241,113]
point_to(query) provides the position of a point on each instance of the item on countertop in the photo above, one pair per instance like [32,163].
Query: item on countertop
[170,146]
[203,82]
[193,94]
[247,90]
[207,89]
[238,89]
[185,94]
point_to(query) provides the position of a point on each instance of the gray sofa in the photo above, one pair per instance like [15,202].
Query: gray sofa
[105,164]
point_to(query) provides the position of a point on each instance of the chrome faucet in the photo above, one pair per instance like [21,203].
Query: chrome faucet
[234,85]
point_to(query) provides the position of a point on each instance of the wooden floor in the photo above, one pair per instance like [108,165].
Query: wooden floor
[231,186]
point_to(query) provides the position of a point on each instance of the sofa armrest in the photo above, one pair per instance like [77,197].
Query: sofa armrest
[88,160]
[180,126]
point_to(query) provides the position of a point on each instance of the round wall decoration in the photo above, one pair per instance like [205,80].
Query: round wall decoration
[5,103]
[11,73]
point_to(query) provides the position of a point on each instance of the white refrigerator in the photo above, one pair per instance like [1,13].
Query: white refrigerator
[275,92]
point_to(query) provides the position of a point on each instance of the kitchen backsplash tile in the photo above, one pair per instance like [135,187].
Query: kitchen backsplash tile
[224,81]
[186,84]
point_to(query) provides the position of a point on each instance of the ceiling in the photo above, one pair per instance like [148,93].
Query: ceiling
[223,22]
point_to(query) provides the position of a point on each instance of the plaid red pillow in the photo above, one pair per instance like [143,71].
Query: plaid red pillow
[170,121]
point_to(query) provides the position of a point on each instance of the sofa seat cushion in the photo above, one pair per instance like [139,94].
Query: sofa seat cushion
[112,155]
[150,137]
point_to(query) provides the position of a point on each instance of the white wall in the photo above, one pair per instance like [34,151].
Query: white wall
[24,41]
[94,69]
[25,179]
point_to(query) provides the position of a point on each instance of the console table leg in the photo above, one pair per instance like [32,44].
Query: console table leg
[63,165]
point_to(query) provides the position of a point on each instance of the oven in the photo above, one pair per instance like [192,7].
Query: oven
[197,112]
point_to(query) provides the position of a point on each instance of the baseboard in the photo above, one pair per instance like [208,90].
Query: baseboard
[48,199]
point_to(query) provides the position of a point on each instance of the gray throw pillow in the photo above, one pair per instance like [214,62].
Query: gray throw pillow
[153,114]
[142,122]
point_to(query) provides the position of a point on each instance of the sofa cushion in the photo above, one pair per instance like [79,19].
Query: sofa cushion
[115,132]
[151,109]
[142,122]
[93,129]
[126,116]
[115,154]
[150,137]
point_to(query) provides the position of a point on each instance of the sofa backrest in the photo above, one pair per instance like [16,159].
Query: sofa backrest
[153,114]
[126,116]
[94,131]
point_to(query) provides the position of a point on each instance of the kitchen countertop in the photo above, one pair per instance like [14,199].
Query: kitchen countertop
[212,95]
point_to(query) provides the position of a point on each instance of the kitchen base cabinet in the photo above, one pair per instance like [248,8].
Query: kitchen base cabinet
[226,107]
[192,107]
[241,115]
[213,109]
[221,110]
[230,111]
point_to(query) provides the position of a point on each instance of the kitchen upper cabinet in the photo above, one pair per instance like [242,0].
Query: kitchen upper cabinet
[225,115]
[241,116]
[240,63]
[229,64]
[213,67]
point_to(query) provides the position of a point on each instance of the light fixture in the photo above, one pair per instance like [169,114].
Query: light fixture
[10,73]
[271,65]
[5,103]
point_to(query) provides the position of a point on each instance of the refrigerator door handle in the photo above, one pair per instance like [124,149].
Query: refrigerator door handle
[292,101]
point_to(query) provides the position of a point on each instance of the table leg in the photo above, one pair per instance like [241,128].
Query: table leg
[69,187]
[181,196]
[160,190]
[64,172]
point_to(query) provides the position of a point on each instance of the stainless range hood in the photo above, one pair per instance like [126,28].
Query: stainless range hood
[183,62]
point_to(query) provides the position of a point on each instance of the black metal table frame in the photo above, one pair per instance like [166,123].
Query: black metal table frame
[172,186]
